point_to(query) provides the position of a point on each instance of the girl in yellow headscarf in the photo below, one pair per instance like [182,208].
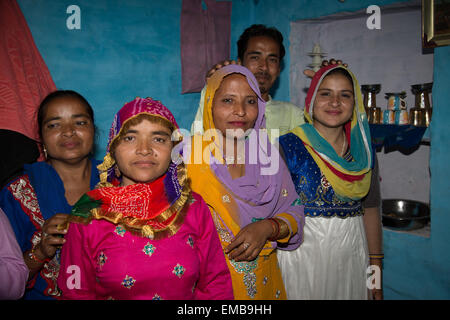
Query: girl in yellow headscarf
[330,160]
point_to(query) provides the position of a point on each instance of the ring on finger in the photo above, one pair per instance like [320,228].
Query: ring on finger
[44,234]
[246,245]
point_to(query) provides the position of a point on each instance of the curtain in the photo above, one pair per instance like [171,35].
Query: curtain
[24,77]
[205,40]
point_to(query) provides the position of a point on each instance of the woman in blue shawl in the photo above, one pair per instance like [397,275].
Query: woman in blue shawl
[37,202]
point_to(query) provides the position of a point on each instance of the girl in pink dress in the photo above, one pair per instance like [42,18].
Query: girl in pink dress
[142,233]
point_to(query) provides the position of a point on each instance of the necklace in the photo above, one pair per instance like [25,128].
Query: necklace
[343,146]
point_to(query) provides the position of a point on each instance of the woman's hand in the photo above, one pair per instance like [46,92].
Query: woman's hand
[52,236]
[250,240]
[219,65]
[310,73]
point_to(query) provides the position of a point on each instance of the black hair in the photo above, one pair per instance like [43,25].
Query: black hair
[259,30]
[62,94]
[342,72]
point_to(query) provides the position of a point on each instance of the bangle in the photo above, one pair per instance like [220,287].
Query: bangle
[276,229]
[34,258]
[376,256]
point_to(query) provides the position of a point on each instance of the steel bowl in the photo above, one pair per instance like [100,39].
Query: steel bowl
[402,214]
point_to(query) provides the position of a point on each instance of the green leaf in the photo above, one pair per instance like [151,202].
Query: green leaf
[83,206]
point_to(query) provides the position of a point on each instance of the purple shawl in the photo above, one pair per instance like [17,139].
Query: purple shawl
[260,196]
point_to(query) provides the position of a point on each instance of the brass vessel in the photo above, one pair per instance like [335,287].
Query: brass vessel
[420,115]
[370,102]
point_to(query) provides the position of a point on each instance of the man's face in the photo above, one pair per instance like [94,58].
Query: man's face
[262,58]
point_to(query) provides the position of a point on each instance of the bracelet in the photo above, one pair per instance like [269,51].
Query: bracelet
[276,231]
[34,258]
[376,256]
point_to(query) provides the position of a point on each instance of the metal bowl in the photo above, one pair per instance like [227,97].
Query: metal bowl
[402,214]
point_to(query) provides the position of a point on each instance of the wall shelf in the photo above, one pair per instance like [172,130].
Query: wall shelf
[392,136]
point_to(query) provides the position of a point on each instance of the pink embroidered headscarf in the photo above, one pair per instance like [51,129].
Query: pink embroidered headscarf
[130,110]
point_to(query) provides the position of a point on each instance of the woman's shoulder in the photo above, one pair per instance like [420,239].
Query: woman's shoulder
[198,207]
[17,185]
[292,146]
[197,199]
[290,138]
[38,165]
[198,218]
[24,176]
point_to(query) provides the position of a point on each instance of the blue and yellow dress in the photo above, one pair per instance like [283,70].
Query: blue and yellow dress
[331,263]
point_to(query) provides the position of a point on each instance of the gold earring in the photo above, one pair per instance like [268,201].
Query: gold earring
[117,171]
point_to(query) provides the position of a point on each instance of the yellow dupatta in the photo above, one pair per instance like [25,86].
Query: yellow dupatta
[350,180]
[257,279]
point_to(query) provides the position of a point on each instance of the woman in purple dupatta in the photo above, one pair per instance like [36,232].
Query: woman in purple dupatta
[245,183]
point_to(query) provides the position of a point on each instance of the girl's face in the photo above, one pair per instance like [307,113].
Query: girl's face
[143,154]
[235,105]
[67,130]
[334,102]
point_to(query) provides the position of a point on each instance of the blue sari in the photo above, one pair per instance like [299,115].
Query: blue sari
[28,201]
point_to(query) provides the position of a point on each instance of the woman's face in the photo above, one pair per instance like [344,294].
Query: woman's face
[235,105]
[334,102]
[67,130]
[143,154]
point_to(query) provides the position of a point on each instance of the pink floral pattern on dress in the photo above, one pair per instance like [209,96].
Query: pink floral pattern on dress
[190,242]
[120,231]
[101,259]
[149,249]
[178,270]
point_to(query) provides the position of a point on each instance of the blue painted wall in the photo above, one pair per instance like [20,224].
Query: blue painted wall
[124,49]
[131,48]
[440,174]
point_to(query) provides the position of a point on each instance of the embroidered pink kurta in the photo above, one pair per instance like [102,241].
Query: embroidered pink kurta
[104,261]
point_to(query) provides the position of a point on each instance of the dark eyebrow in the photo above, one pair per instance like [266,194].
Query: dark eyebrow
[259,53]
[326,89]
[51,119]
[253,52]
[161,133]
[81,115]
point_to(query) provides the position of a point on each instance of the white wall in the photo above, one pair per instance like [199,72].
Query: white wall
[405,176]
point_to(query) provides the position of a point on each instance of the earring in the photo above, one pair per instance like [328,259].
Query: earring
[117,171]
[45,152]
